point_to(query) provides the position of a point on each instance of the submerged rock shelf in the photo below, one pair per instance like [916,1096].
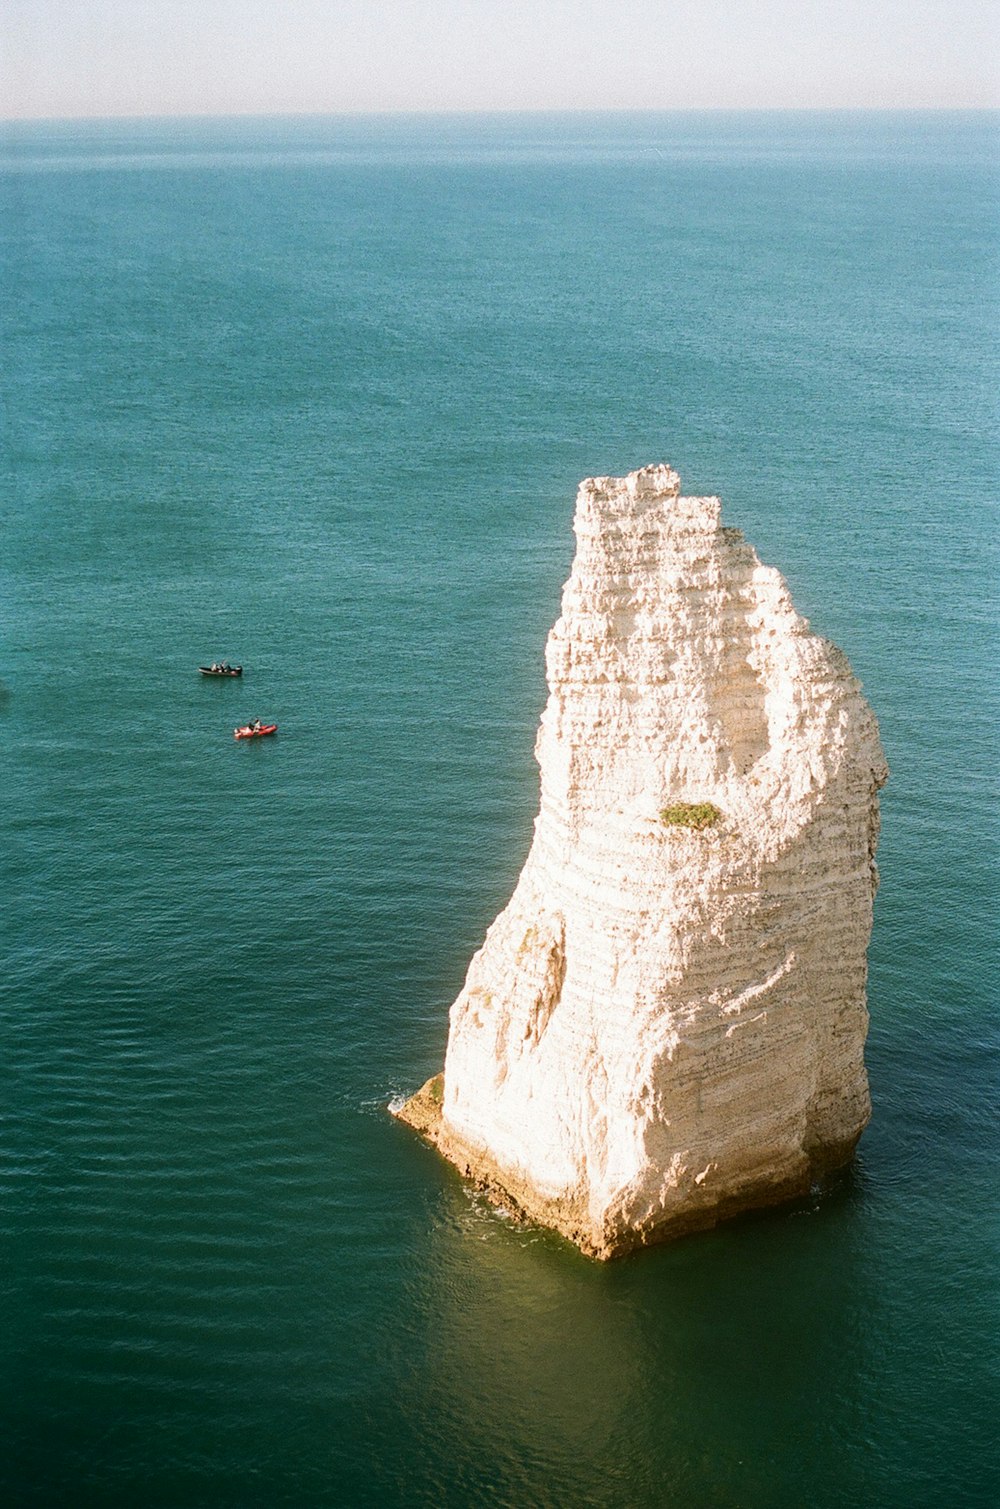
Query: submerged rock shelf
[665,1026]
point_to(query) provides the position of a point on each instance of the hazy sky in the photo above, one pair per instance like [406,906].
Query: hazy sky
[182,57]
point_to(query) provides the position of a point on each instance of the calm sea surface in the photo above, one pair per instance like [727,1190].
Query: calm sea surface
[315,395]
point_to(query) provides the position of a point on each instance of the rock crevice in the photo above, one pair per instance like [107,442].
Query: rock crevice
[665,1025]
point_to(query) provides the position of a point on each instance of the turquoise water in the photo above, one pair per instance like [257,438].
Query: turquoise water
[315,395]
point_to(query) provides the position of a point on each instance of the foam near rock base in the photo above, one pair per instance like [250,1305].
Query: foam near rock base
[665,1026]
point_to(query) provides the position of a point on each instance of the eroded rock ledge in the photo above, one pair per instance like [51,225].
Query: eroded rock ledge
[665,1026]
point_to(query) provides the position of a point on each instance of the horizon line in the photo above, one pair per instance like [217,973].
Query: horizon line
[501,111]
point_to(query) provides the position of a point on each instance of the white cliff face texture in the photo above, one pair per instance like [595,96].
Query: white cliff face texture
[666,1024]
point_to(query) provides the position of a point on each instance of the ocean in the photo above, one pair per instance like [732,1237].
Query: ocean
[315,395]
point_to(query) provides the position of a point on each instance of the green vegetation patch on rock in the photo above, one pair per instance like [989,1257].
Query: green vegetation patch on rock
[690,814]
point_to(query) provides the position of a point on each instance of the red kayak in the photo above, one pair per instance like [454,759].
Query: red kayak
[249,731]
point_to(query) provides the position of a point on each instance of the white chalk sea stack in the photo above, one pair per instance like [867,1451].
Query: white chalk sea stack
[665,1026]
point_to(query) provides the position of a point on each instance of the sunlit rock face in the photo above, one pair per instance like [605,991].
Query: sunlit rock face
[665,1025]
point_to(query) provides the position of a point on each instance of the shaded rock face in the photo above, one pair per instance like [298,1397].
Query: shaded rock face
[665,1026]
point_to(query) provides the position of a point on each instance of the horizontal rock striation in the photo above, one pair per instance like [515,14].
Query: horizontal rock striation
[665,1026]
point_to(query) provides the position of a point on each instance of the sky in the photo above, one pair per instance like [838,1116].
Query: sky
[94,58]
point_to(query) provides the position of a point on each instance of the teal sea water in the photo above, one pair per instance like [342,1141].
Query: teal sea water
[315,395]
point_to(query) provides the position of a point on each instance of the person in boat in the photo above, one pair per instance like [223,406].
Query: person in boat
[256,725]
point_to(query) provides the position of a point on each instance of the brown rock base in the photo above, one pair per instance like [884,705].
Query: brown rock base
[513,1195]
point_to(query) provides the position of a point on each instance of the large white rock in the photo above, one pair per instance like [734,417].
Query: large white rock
[666,1025]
